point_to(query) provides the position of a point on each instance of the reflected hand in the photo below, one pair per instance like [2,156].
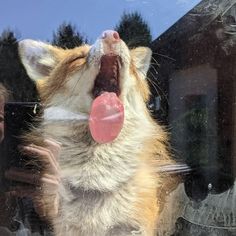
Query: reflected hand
[43,188]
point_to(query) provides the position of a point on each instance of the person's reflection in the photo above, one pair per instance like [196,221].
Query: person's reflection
[45,207]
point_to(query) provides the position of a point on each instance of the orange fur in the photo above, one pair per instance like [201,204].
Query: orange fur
[137,201]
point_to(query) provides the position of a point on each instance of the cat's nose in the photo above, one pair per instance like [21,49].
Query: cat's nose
[110,36]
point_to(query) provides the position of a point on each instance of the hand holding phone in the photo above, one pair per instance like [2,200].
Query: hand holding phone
[19,118]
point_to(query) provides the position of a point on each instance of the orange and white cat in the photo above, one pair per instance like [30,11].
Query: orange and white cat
[107,189]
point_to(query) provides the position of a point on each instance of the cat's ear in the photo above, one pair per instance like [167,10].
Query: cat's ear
[38,58]
[141,57]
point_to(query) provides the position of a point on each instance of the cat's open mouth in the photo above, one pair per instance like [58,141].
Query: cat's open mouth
[107,79]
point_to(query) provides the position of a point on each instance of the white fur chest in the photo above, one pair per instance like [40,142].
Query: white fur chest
[95,213]
[97,193]
[102,167]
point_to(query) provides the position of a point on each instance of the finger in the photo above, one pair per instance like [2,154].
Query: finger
[23,176]
[54,146]
[54,141]
[39,207]
[50,181]
[47,207]
[20,175]
[52,155]
[46,155]
[28,188]
[21,193]
[49,186]
[22,170]
[53,177]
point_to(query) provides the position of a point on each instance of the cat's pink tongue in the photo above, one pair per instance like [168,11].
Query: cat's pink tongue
[106,117]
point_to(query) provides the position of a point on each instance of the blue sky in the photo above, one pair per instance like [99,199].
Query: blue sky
[38,19]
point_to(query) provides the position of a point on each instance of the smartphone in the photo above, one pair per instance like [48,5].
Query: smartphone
[19,118]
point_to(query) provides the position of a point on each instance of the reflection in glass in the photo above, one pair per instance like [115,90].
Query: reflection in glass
[196,87]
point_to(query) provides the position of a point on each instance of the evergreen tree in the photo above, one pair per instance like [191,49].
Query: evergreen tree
[134,30]
[12,73]
[68,37]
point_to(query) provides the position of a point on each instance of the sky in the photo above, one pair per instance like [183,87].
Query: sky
[38,19]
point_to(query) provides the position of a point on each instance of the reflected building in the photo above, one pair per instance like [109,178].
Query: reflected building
[193,82]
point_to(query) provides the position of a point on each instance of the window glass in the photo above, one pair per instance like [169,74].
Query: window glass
[84,149]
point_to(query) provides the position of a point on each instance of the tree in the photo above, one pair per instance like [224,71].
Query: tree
[68,37]
[12,73]
[134,30]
